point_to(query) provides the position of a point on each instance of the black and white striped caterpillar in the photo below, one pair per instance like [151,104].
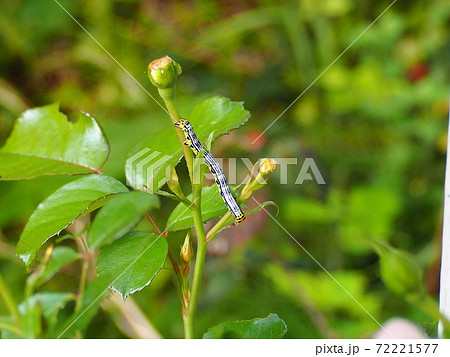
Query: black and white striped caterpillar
[192,141]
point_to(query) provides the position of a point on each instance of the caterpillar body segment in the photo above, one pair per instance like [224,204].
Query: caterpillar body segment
[196,146]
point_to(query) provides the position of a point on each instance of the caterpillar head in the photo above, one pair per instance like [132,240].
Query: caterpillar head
[182,123]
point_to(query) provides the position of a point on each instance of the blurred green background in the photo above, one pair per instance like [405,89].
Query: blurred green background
[375,124]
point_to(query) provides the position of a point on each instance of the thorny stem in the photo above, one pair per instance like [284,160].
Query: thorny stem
[163,73]
[155,226]
[199,261]
[195,290]
[189,297]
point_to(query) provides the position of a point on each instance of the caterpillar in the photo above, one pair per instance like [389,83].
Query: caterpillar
[196,146]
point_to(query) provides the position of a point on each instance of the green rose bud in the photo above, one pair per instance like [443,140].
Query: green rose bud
[187,251]
[266,166]
[400,272]
[163,72]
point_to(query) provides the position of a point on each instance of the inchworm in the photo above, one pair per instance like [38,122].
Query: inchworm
[196,146]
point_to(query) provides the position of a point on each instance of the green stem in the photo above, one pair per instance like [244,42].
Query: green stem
[185,299]
[221,224]
[168,95]
[199,260]
[84,271]
[250,187]
[187,334]
[9,300]
[195,290]
[83,281]
[190,303]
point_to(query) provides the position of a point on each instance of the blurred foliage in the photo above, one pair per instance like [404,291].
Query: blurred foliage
[375,123]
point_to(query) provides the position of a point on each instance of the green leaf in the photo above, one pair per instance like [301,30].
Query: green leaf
[149,160]
[44,303]
[92,298]
[50,302]
[133,261]
[212,206]
[119,216]
[270,327]
[60,257]
[61,208]
[44,142]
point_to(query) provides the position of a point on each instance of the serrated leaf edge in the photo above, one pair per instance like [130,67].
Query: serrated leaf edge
[125,296]
[25,257]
